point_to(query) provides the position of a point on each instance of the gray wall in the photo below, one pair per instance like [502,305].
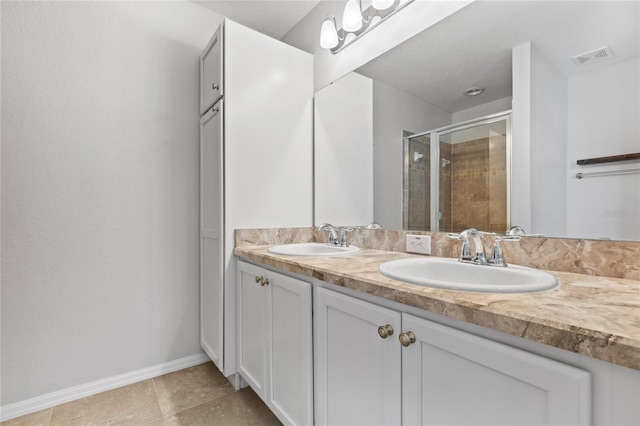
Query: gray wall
[100,204]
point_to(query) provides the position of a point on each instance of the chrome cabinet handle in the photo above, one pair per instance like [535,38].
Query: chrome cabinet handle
[385,331]
[407,338]
[215,86]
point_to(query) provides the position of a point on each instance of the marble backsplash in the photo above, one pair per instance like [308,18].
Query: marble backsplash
[618,259]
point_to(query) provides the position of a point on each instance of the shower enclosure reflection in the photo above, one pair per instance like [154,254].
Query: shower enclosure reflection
[457,177]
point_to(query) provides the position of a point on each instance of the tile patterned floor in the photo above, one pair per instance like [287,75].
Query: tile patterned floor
[196,396]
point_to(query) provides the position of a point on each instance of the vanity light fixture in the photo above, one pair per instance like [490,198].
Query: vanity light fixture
[356,22]
[474,91]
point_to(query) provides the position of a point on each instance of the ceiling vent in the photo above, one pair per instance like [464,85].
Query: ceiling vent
[592,56]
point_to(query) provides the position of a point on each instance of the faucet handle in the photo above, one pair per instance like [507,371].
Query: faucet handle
[465,250]
[343,236]
[499,238]
[497,254]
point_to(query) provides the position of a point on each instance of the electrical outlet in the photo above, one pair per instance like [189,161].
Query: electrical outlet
[419,244]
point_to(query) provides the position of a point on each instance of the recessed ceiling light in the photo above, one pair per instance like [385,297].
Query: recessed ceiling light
[474,91]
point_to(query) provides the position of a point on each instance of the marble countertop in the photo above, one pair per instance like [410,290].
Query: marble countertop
[594,316]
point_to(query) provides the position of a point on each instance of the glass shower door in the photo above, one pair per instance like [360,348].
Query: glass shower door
[458,176]
[416,185]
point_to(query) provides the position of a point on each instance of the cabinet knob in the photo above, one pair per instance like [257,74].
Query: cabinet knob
[215,86]
[262,280]
[385,331]
[407,338]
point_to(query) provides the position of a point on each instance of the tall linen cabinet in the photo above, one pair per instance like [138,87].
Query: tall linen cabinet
[256,109]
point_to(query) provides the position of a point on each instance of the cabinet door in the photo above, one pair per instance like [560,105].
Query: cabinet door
[211,236]
[252,326]
[357,373]
[450,377]
[289,340]
[211,66]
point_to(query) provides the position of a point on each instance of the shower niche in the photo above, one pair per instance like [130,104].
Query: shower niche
[458,176]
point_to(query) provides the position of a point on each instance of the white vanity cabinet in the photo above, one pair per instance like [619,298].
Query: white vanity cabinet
[357,372]
[443,376]
[454,377]
[275,354]
[256,163]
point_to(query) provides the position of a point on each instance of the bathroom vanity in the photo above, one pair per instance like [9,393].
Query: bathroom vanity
[386,352]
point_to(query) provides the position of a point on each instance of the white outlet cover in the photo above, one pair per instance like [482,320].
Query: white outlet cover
[420,244]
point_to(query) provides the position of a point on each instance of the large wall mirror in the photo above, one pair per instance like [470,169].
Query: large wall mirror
[566,72]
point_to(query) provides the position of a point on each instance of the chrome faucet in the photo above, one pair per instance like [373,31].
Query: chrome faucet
[466,236]
[333,234]
[515,230]
[478,257]
[519,231]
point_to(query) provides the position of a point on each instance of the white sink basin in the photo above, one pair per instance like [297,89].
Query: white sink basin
[453,275]
[312,249]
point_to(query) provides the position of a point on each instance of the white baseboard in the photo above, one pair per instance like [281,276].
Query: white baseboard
[52,399]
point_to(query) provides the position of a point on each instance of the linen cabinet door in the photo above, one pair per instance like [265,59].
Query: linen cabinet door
[357,361]
[450,377]
[290,349]
[252,288]
[211,71]
[211,236]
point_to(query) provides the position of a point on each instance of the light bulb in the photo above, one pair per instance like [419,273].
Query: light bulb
[328,33]
[352,17]
[382,4]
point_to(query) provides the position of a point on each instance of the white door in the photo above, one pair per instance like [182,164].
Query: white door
[450,377]
[252,326]
[357,372]
[290,349]
[211,236]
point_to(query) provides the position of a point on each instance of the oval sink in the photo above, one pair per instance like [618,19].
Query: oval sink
[312,249]
[453,275]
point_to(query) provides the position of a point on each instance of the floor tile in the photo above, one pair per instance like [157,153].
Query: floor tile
[39,418]
[135,404]
[239,408]
[190,387]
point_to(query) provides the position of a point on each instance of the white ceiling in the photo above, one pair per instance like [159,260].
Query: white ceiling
[271,17]
[473,46]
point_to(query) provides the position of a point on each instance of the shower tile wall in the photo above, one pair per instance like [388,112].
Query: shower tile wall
[478,185]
